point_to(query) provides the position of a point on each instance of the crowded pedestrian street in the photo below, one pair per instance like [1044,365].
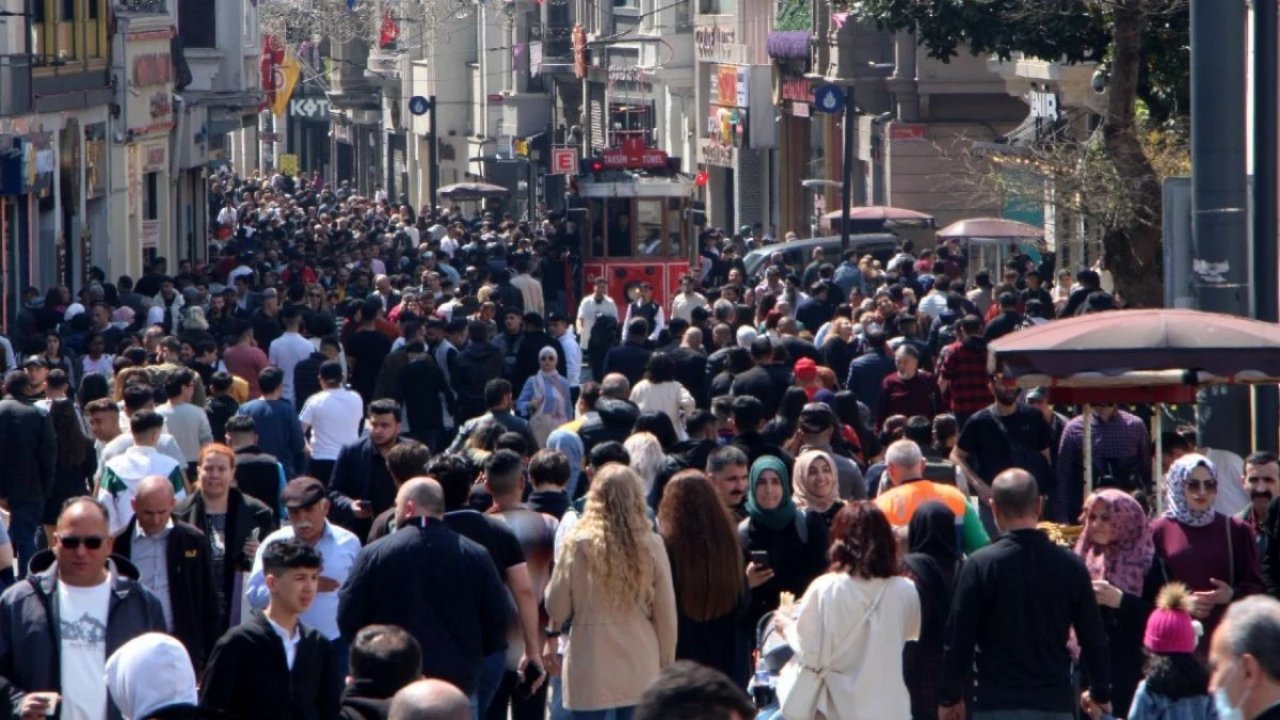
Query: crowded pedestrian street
[729,360]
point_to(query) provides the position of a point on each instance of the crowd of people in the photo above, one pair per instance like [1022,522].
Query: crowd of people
[368,462]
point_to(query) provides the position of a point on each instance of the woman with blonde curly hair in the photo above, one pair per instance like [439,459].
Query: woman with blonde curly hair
[647,457]
[612,577]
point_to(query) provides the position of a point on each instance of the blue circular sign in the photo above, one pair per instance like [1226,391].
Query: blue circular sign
[419,105]
[829,98]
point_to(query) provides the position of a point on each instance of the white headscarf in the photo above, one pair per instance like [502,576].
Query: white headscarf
[148,673]
[1176,482]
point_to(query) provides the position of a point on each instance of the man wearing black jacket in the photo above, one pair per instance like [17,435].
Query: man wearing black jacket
[767,380]
[1016,602]
[439,586]
[426,394]
[384,658]
[478,362]
[176,565]
[26,475]
[272,666]
[631,358]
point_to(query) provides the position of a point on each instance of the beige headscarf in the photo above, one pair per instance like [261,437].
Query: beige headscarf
[805,494]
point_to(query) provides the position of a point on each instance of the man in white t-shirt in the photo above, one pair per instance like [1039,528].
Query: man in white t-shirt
[331,418]
[597,303]
[290,349]
[99,608]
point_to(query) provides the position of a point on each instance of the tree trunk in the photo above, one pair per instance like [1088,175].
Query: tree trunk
[1131,248]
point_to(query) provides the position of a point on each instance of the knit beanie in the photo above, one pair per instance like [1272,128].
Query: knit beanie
[1170,628]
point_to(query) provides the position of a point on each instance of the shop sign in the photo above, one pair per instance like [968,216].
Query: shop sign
[800,109]
[289,164]
[715,153]
[730,85]
[797,90]
[155,157]
[727,126]
[714,43]
[903,132]
[149,98]
[150,234]
[310,108]
[633,155]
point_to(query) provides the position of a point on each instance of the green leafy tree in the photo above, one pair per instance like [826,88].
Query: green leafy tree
[1142,46]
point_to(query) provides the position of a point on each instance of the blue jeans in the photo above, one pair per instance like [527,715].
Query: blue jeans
[491,670]
[558,711]
[24,521]
[618,713]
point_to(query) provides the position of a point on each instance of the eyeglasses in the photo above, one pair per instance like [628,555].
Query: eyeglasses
[71,542]
[1202,485]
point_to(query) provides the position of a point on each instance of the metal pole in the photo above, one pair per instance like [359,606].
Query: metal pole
[1265,264]
[433,141]
[846,171]
[1088,450]
[1219,194]
[1157,460]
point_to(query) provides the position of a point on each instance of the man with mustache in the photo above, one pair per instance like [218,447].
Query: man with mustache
[307,504]
[1262,483]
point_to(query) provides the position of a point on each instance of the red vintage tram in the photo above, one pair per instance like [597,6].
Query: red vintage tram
[634,222]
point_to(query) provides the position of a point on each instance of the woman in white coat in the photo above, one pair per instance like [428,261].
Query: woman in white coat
[849,629]
[659,391]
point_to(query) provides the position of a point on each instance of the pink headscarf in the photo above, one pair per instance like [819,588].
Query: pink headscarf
[1126,560]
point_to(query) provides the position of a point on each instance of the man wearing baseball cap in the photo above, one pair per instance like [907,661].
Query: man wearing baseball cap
[307,502]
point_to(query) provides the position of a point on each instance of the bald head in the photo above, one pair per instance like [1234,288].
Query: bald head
[429,700]
[693,338]
[1015,497]
[616,385]
[419,497]
[153,504]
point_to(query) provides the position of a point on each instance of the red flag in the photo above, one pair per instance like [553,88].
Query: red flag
[272,59]
[390,30]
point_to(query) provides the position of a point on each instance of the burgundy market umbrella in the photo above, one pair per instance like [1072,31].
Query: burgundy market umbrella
[1141,347]
[885,214]
[472,191]
[990,229]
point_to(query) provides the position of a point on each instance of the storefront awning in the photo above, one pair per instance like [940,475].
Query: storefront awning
[788,44]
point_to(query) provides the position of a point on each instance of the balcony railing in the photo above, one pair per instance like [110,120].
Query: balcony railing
[15,85]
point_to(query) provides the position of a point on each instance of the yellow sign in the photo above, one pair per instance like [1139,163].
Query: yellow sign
[289,164]
[522,147]
[289,71]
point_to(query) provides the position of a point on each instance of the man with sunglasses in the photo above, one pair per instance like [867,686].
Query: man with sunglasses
[99,605]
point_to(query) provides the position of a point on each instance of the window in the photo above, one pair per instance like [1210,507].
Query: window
[151,196]
[67,31]
[198,23]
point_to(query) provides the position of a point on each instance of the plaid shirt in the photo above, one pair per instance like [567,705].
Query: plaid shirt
[964,368]
[1123,438]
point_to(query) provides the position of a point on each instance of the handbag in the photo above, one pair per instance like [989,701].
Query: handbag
[800,685]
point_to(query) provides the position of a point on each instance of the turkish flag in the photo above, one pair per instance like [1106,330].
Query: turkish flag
[390,30]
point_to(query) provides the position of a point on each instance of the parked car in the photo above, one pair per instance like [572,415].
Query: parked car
[798,253]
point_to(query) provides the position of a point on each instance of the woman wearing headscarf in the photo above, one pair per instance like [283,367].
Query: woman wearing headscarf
[570,444]
[545,398]
[932,562]
[1212,554]
[1117,549]
[786,546]
[816,486]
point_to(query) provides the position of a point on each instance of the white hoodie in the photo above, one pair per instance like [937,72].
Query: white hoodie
[149,673]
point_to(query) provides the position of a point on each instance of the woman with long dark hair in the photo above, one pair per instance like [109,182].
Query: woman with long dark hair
[73,465]
[783,425]
[659,391]
[849,629]
[706,572]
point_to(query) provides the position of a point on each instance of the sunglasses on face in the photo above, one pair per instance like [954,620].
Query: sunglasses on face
[1202,485]
[72,542]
